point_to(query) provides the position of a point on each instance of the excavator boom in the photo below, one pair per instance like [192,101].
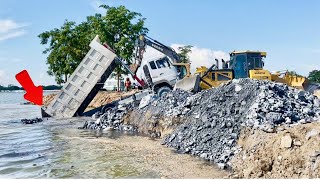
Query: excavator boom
[144,41]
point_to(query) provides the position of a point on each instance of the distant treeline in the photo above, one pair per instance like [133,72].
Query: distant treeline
[14,88]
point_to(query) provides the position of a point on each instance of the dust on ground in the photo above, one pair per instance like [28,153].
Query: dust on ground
[291,153]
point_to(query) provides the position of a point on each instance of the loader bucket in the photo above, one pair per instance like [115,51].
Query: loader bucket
[189,84]
[294,80]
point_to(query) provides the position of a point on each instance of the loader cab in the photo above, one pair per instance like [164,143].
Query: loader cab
[241,62]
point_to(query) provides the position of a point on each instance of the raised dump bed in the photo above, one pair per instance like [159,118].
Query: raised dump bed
[84,83]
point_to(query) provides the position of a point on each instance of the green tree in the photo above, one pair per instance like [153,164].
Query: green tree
[119,27]
[123,27]
[314,76]
[183,53]
[65,50]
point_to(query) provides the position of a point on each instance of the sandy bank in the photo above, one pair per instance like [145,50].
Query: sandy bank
[102,98]
[291,153]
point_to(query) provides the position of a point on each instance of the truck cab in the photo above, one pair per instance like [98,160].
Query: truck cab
[160,74]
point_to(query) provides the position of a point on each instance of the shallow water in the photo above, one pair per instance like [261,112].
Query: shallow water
[57,149]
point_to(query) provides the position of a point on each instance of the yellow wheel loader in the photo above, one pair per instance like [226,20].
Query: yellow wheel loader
[249,64]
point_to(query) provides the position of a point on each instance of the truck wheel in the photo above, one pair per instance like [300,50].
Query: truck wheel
[163,91]
[106,108]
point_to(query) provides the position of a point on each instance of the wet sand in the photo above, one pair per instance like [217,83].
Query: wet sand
[110,154]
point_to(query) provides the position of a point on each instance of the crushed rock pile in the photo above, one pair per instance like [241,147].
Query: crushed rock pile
[215,116]
[174,104]
[112,119]
[146,117]
[208,124]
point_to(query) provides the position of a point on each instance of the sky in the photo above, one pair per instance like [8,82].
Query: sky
[288,30]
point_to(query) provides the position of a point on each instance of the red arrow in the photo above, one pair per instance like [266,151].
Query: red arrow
[33,94]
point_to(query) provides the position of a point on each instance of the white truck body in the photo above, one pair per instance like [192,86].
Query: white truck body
[84,83]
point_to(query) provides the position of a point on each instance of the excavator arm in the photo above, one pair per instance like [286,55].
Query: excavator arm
[144,41]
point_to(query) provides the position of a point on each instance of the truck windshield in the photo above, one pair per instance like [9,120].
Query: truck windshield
[162,63]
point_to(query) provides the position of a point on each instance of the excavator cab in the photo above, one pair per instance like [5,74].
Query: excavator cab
[242,62]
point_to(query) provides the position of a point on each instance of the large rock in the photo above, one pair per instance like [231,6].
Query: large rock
[286,141]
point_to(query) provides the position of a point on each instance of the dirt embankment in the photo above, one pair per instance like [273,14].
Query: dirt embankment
[291,153]
[102,98]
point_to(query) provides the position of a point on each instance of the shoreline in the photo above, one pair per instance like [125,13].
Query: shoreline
[21,91]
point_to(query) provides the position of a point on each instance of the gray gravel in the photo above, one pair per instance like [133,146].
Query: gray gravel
[215,116]
[112,119]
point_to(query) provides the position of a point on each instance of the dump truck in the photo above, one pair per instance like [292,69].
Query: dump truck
[85,82]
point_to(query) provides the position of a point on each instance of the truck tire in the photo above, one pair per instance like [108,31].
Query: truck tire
[106,108]
[163,91]
[148,76]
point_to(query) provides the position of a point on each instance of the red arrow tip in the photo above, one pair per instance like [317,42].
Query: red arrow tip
[35,95]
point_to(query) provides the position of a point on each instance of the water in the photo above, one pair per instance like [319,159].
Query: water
[57,149]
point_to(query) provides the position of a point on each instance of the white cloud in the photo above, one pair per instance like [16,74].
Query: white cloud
[11,35]
[203,56]
[10,29]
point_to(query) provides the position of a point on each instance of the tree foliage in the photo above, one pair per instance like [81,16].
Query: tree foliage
[68,44]
[184,53]
[314,76]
